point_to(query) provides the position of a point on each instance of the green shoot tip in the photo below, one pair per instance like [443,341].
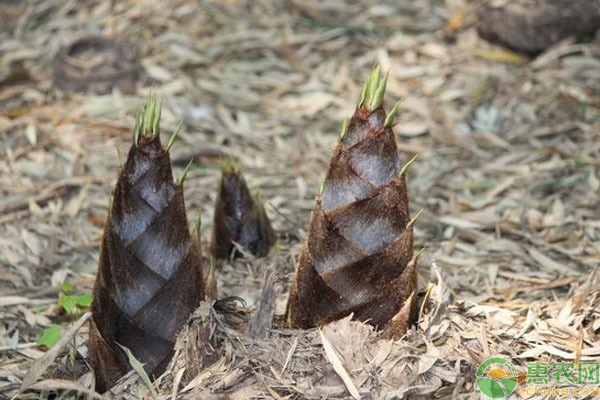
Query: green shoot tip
[376,99]
[415,218]
[408,164]
[258,197]
[185,172]
[363,95]
[173,137]
[147,122]
[137,128]
[374,90]
[344,128]
[229,166]
[418,254]
[322,185]
[198,225]
[389,118]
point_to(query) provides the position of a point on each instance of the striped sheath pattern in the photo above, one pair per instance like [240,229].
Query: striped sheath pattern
[239,217]
[357,258]
[150,276]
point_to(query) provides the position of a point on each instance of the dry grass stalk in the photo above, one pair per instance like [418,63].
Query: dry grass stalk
[149,278]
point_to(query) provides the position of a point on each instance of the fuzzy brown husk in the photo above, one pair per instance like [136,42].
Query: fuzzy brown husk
[240,218]
[149,276]
[357,258]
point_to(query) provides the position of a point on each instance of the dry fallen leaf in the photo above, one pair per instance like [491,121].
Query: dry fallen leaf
[41,365]
[334,359]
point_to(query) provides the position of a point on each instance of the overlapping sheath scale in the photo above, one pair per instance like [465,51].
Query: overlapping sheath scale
[360,240]
[149,277]
[239,217]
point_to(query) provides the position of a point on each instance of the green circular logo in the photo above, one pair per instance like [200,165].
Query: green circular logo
[497,378]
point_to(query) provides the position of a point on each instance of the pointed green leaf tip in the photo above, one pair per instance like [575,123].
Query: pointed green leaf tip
[415,218]
[198,225]
[185,172]
[322,185]
[229,166]
[173,137]
[389,119]
[147,124]
[408,164]
[344,128]
[373,90]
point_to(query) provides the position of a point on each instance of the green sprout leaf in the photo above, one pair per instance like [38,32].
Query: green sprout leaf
[50,336]
[66,287]
[71,303]
[373,90]
[84,300]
